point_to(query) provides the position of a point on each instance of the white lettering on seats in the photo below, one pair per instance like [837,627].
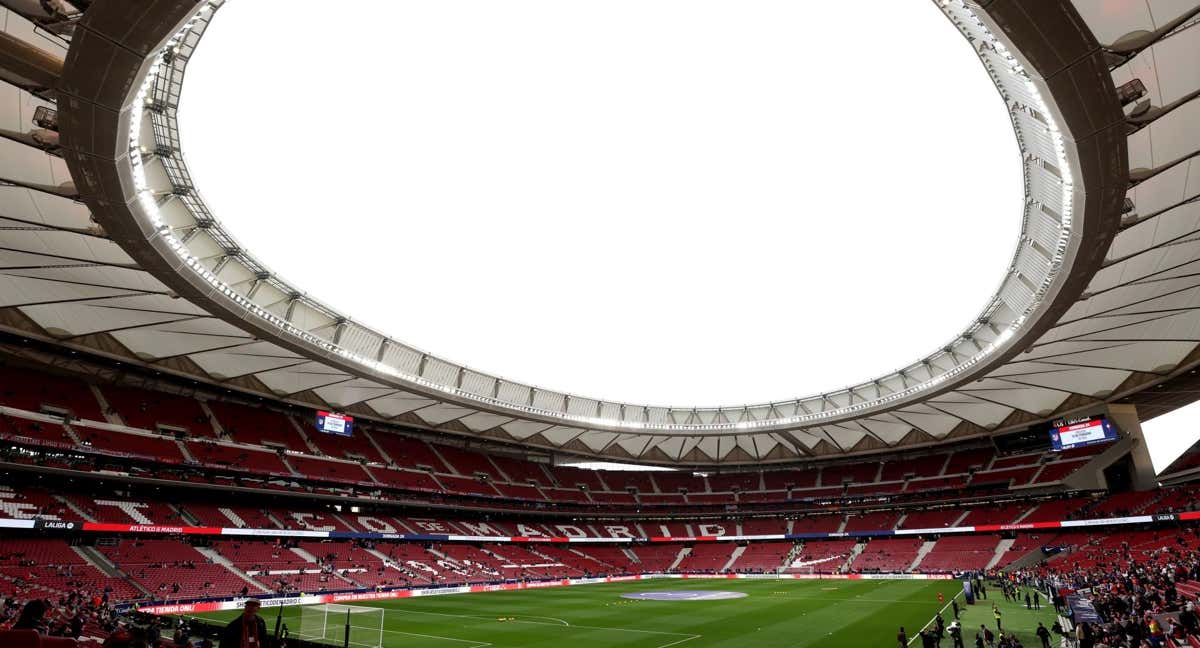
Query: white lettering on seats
[303,520]
[374,524]
[130,508]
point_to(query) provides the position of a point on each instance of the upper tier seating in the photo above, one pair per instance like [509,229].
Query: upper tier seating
[42,392]
[244,457]
[52,433]
[339,447]
[256,425]
[159,448]
[859,473]
[896,469]
[144,409]
[406,452]
[332,470]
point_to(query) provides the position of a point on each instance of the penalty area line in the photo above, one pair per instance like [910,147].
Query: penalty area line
[474,644]
[684,640]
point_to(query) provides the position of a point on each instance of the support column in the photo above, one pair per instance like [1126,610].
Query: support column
[1126,419]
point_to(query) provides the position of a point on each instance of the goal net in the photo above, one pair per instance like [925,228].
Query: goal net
[328,623]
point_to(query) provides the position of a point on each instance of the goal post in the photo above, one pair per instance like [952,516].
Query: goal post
[341,625]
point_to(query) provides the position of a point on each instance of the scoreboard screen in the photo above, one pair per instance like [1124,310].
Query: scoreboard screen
[339,424]
[1084,432]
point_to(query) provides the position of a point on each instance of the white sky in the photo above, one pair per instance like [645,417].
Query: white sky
[1171,434]
[676,202]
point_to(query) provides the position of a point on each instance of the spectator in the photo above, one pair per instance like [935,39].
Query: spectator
[33,617]
[248,630]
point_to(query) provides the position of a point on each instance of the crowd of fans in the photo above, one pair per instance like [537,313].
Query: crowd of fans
[1134,590]
[79,614]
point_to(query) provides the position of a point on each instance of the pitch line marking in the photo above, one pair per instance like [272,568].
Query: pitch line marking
[932,619]
[542,617]
[684,640]
[474,644]
[687,637]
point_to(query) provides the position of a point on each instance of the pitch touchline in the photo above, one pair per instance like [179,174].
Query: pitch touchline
[932,619]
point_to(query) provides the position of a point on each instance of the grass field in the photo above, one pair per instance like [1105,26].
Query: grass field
[776,613]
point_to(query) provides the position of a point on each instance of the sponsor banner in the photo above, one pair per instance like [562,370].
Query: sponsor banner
[57,525]
[989,528]
[1136,519]
[942,530]
[814,536]
[17,524]
[1190,515]
[292,533]
[1164,517]
[152,528]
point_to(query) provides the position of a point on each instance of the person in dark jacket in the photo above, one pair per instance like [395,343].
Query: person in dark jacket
[33,616]
[248,630]
[1044,635]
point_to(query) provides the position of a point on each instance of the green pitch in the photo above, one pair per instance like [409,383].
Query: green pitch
[776,613]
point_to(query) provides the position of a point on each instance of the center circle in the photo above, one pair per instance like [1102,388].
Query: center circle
[666,202]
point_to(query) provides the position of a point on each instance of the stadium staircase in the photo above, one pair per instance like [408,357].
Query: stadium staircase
[306,556]
[110,414]
[683,553]
[1001,549]
[275,520]
[185,515]
[388,561]
[633,558]
[72,434]
[218,559]
[1024,514]
[792,555]
[854,553]
[343,521]
[737,553]
[1034,557]
[308,443]
[212,418]
[75,508]
[926,547]
[183,450]
[95,558]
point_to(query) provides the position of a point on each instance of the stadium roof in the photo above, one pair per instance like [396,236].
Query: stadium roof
[1100,300]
